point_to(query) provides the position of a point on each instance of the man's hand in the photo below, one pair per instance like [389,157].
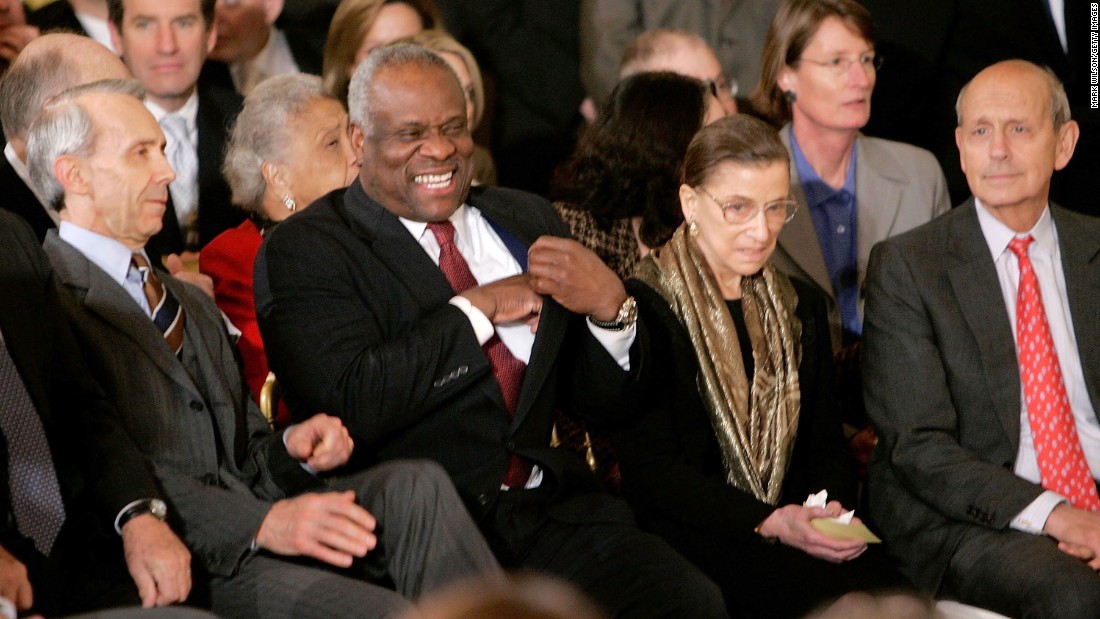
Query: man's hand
[14,583]
[791,524]
[575,277]
[158,561]
[322,442]
[178,267]
[507,300]
[330,527]
[1077,532]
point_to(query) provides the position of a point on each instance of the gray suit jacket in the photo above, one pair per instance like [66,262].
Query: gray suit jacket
[898,187]
[942,384]
[213,452]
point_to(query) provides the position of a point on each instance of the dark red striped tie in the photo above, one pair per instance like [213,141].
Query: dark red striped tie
[506,368]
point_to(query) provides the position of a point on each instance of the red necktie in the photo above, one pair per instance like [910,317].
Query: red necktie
[506,368]
[1062,463]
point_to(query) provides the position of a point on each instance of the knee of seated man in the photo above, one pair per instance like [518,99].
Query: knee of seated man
[1073,591]
[412,481]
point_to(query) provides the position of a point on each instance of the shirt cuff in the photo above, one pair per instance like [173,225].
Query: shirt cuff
[483,327]
[304,466]
[1034,517]
[616,343]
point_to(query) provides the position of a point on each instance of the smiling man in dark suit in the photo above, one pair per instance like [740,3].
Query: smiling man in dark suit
[982,369]
[270,538]
[412,307]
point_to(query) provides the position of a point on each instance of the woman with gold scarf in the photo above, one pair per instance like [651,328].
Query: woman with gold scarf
[740,423]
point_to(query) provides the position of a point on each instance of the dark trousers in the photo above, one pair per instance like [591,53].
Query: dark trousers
[761,579]
[591,541]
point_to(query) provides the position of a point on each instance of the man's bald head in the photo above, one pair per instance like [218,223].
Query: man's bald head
[49,65]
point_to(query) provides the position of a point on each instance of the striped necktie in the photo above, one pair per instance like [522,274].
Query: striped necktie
[35,492]
[165,310]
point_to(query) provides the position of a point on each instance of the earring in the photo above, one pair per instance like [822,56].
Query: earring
[289,202]
[693,229]
[789,94]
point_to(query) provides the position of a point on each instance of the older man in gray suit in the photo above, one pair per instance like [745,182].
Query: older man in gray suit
[241,494]
[982,369]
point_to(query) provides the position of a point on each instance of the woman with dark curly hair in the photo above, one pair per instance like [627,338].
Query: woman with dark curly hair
[618,193]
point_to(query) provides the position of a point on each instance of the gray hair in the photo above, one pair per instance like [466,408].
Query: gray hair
[1059,102]
[27,86]
[65,127]
[262,132]
[396,55]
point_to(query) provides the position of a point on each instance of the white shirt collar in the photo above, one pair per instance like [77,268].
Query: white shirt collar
[459,219]
[998,235]
[106,253]
[96,28]
[189,112]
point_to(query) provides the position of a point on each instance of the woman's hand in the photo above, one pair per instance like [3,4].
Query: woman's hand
[791,525]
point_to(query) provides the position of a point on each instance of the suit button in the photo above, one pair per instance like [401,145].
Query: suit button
[210,479]
[483,499]
[197,406]
[512,445]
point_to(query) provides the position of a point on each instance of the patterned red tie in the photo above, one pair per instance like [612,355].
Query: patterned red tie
[1062,463]
[506,368]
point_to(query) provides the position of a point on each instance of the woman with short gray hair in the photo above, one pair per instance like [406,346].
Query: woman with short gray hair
[290,145]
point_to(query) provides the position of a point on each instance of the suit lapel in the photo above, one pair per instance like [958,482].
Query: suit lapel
[102,296]
[977,290]
[553,322]
[798,238]
[880,183]
[1080,250]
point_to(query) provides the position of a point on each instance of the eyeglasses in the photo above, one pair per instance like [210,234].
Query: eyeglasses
[743,211]
[722,85]
[840,65]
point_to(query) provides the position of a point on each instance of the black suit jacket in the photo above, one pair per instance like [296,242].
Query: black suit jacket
[672,470]
[19,199]
[356,322]
[218,109]
[99,467]
[942,383]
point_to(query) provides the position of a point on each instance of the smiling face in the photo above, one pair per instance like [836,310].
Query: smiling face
[734,251]
[416,156]
[824,99]
[395,20]
[1008,147]
[319,157]
[125,180]
[164,43]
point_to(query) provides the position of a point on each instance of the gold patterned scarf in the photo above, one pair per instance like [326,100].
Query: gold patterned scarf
[755,427]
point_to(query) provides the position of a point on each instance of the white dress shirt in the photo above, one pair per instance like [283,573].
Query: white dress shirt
[489,261]
[97,29]
[1046,261]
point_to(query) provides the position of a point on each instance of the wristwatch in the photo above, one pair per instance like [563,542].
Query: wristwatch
[628,315]
[154,507]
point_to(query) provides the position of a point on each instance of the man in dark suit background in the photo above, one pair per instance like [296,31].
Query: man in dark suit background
[356,299]
[966,482]
[164,44]
[47,66]
[99,472]
[245,502]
